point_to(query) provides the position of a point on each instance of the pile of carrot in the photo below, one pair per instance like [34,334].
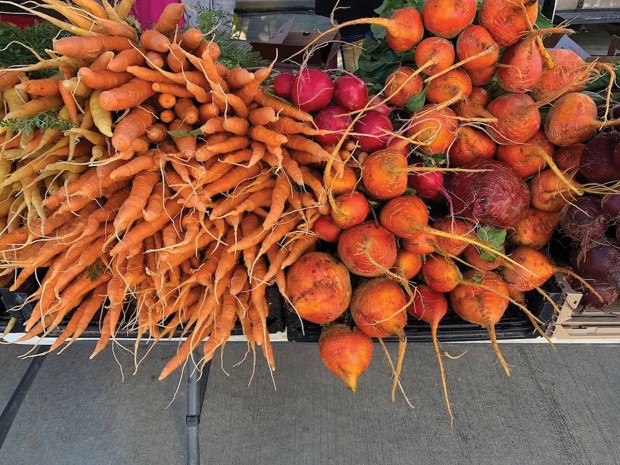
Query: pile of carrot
[191,197]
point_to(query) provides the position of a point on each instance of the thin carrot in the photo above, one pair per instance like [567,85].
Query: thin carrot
[90,47]
[231,101]
[281,106]
[155,203]
[172,89]
[262,116]
[281,192]
[186,110]
[40,87]
[248,92]
[291,167]
[154,59]
[236,125]
[238,77]
[230,145]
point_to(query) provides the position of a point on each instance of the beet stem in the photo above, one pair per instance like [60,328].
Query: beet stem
[402,346]
[442,372]
[491,330]
[485,52]
[389,358]
[580,279]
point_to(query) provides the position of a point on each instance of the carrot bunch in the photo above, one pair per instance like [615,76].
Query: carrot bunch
[196,189]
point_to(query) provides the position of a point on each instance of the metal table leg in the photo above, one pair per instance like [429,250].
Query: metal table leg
[196,388]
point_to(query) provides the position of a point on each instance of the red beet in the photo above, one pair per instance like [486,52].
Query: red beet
[312,90]
[350,92]
[371,130]
[333,119]
[283,85]
[497,197]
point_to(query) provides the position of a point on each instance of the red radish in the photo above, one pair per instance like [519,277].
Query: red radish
[599,162]
[318,287]
[350,92]
[350,209]
[384,174]
[404,215]
[536,228]
[376,105]
[451,86]
[312,90]
[567,158]
[346,352]
[334,119]
[378,308]
[408,263]
[367,249]
[481,77]
[471,144]
[430,307]
[506,20]
[402,84]
[538,269]
[433,129]
[567,68]
[455,226]
[427,185]
[440,273]
[482,306]
[529,158]
[518,118]
[480,261]
[521,66]
[372,131]
[325,229]
[447,18]
[549,192]
[475,40]
[495,196]
[435,50]
[283,85]
[572,119]
[423,244]
[345,182]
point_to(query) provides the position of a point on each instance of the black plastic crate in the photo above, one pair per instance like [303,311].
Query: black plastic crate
[514,325]
[11,306]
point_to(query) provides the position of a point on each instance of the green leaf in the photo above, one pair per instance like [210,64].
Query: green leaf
[94,270]
[476,279]
[432,160]
[603,80]
[42,121]
[494,237]
[183,133]
[390,6]
[416,102]
[542,22]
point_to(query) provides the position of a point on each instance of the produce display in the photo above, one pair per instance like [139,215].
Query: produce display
[156,187]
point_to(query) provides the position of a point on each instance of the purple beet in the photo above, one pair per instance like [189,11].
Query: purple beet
[600,159]
[600,261]
[584,219]
[608,293]
[611,205]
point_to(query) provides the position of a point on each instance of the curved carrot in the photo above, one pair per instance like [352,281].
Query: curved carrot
[169,18]
[128,95]
[126,58]
[155,40]
[131,127]
[103,79]
[90,47]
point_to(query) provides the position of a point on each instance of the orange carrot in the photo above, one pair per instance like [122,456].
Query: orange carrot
[186,145]
[281,106]
[229,145]
[40,87]
[176,61]
[238,126]
[172,89]
[8,79]
[262,116]
[133,166]
[238,77]
[266,136]
[102,79]
[150,75]
[166,101]
[157,133]
[191,38]
[169,18]
[155,40]
[281,192]
[231,101]
[230,180]
[128,95]
[126,58]
[248,92]
[291,167]
[90,47]
[154,59]
[186,110]
[131,127]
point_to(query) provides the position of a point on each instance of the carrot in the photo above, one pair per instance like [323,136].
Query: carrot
[213,125]
[40,87]
[304,144]
[137,234]
[285,125]
[103,79]
[176,60]
[238,126]
[90,47]
[223,327]
[116,291]
[167,116]
[169,18]
[172,89]
[131,127]
[186,110]
[198,92]
[33,107]
[230,180]
[229,145]
[118,29]
[155,203]
[8,79]
[207,111]
[280,194]
[129,95]
[157,133]
[155,60]
[238,77]
[126,58]
[288,223]
[248,92]
[267,136]
[184,351]
[155,40]
[281,106]
[185,144]
[166,101]
[123,8]
[132,167]
[291,167]
[92,7]
[191,38]
[262,116]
